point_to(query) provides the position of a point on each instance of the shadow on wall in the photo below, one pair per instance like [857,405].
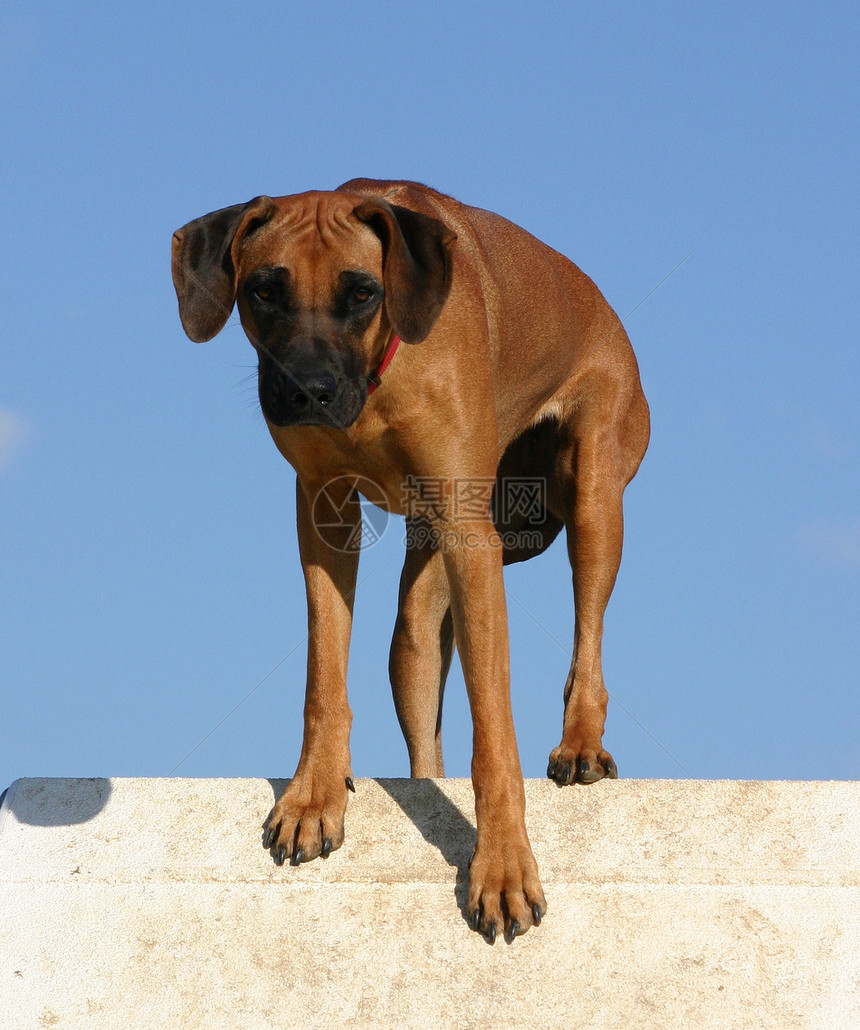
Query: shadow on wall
[55,802]
[439,821]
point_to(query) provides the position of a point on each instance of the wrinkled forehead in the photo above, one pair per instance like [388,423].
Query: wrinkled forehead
[315,236]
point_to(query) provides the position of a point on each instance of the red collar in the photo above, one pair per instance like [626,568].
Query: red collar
[374,380]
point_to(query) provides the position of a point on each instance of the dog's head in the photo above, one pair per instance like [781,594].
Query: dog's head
[321,280]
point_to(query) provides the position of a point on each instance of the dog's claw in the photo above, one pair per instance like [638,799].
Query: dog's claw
[587,766]
[326,847]
[536,917]
[515,929]
[475,919]
[491,933]
[297,856]
[269,837]
[281,855]
[350,784]
[585,773]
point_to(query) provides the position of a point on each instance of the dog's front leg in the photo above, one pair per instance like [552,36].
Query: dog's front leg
[504,887]
[308,819]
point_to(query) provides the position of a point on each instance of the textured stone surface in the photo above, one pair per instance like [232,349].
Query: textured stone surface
[151,903]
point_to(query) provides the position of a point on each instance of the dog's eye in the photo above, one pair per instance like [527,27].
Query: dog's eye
[264,293]
[362,295]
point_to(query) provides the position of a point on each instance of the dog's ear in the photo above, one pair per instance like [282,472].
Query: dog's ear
[204,265]
[416,265]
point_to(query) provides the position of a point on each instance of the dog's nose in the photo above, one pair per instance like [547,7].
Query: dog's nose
[314,393]
[311,390]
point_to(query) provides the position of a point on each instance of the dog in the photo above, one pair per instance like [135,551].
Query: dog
[430,349]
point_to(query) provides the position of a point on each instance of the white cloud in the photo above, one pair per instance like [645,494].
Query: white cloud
[12,432]
[832,543]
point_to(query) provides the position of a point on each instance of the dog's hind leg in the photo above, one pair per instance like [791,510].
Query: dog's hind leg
[421,652]
[595,469]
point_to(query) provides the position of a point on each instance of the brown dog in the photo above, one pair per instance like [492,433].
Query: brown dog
[515,371]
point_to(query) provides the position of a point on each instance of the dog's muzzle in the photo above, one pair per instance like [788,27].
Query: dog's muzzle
[309,394]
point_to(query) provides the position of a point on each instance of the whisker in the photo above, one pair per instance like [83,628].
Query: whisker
[246,381]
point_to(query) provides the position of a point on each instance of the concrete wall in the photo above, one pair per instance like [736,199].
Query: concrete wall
[151,903]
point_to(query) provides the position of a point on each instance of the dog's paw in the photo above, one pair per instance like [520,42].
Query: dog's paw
[580,765]
[307,820]
[505,895]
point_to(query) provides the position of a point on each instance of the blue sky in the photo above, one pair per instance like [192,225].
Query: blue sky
[150,573]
